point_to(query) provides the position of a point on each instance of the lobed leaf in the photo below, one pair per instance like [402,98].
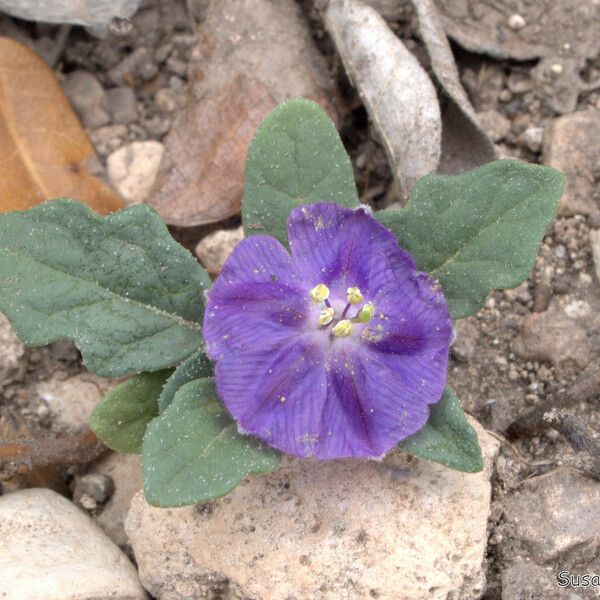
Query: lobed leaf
[121,417]
[195,367]
[194,453]
[296,157]
[447,438]
[119,286]
[480,230]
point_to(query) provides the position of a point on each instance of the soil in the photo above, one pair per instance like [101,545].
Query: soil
[495,384]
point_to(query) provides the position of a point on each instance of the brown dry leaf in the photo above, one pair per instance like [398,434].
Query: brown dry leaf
[203,179]
[252,55]
[44,152]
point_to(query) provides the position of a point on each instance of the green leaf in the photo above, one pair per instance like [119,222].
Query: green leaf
[478,231]
[193,452]
[447,437]
[120,287]
[121,417]
[296,157]
[195,367]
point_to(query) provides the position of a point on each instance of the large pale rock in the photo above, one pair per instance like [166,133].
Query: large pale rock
[401,528]
[573,146]
[52,550]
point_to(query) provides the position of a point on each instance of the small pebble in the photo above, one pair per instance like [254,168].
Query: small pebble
[516,22]
[93,489]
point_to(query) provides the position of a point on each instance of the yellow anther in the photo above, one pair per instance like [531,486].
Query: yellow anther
[343,328]
[326,316]
[365,314]
[354,295]
[319,293]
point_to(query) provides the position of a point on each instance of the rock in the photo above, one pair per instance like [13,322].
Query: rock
[339,529]
[71,401]
[495,124]
[137,66]
[52,550]
[107,139]
[557,517]
[11,353]
[465,343]
[532,139]
[126,473]
[573,146]
[93,489]
[522,581]
[232,88]
[88,99]
[551,336]
[122,105]
[132,169]
[166,100]
[215,248]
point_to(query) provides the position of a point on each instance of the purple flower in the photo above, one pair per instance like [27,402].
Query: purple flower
[335,351]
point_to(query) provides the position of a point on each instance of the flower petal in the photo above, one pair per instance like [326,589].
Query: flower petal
[344,248]
[277,396]
[411,316]
[257,300]
[371,407]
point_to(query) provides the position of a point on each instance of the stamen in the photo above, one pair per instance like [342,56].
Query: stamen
[319,293]
[365,314]
[354,295]
[326,316]
[343,328]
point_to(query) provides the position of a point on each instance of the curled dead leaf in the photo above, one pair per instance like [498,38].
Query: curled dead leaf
[397,92]
[92,13]
[44,152]
[465,145]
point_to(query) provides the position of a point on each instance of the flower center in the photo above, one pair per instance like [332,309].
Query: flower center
[341,325]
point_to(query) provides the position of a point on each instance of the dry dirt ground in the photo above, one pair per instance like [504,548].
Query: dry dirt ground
[526,349]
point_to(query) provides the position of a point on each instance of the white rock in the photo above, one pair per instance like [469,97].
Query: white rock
[132,169]
[215,248]
[401,528]
[11,352]
[52,550]
[516,22]
[532,138]
[71,401]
